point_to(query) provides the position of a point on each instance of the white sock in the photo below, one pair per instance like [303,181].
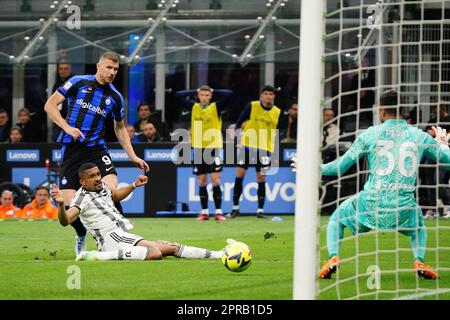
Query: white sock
[235,208]
[219,211]
[197,253]
[204,211]
[260,211]
[132,253]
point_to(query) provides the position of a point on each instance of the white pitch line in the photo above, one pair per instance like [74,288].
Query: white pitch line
[421,295]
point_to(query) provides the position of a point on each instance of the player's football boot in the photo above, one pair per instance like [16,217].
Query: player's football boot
[261,215]
[80,244]
[234,213]
[87,256]
[329,267]
[220,217]
[203,217]
[424,271]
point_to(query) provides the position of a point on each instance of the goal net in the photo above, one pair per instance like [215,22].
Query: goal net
[370,47]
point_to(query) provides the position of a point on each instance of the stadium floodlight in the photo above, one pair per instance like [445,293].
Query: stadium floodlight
[243,59]
[34,44]
[156,23]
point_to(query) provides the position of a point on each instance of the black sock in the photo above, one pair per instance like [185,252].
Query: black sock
[261,194]
[217,195]
[237,190]
[79,227]
[119,207]
[203,197]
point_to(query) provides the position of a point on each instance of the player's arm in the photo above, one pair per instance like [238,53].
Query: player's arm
[51,107]
[244,116]
[342,164]
[125,142]
[182,95]
[437,149]
[122,193]
[65,217]
[224,95]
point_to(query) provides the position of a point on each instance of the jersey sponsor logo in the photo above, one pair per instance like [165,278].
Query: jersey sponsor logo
[160,155]
[22,155]
[67,85]
[88,105]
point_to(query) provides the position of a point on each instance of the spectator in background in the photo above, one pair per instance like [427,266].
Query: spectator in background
[40,207]
[288,123]
[30,131]
[429,178]
[15,135]
[366,95]
[132,133]
[145,116]
[64,73]
[150,134]
[5,126]
[330,129]
[7,208]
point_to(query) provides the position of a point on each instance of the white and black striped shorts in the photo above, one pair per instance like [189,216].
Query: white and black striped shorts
[117,239]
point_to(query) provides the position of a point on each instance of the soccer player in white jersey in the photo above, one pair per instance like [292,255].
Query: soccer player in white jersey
[94,204]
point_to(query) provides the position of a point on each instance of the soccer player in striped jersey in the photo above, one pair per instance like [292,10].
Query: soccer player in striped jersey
[387,202]
[206,142]
[94,204]
[90,99]
[259,121]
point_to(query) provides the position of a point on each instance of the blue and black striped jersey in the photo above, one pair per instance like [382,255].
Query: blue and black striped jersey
[89,104]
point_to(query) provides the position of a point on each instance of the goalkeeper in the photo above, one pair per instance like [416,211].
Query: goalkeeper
[387,202]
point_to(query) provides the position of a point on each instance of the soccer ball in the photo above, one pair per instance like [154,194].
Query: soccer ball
[237,256]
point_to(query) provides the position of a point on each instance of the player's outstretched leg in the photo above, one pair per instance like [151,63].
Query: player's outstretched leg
[418,240]
[335,233]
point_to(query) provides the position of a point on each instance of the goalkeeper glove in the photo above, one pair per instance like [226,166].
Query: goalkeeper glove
[441,136]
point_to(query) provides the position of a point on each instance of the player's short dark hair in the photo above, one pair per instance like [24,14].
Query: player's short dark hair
[3,111]
[41,187]
[268,88]
[110,56]
[389,98]
[84,167]
[144,103]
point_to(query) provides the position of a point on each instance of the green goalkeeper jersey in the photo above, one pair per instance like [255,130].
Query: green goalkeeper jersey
[393,150]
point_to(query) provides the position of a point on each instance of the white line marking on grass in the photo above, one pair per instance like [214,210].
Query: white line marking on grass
[421,295]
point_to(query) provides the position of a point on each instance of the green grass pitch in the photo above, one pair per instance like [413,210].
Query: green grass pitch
[36,261]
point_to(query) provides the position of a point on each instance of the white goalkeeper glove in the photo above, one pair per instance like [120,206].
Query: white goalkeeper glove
[294,163]
[441,136]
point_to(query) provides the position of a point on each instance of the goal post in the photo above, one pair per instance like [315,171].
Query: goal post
[308,148]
